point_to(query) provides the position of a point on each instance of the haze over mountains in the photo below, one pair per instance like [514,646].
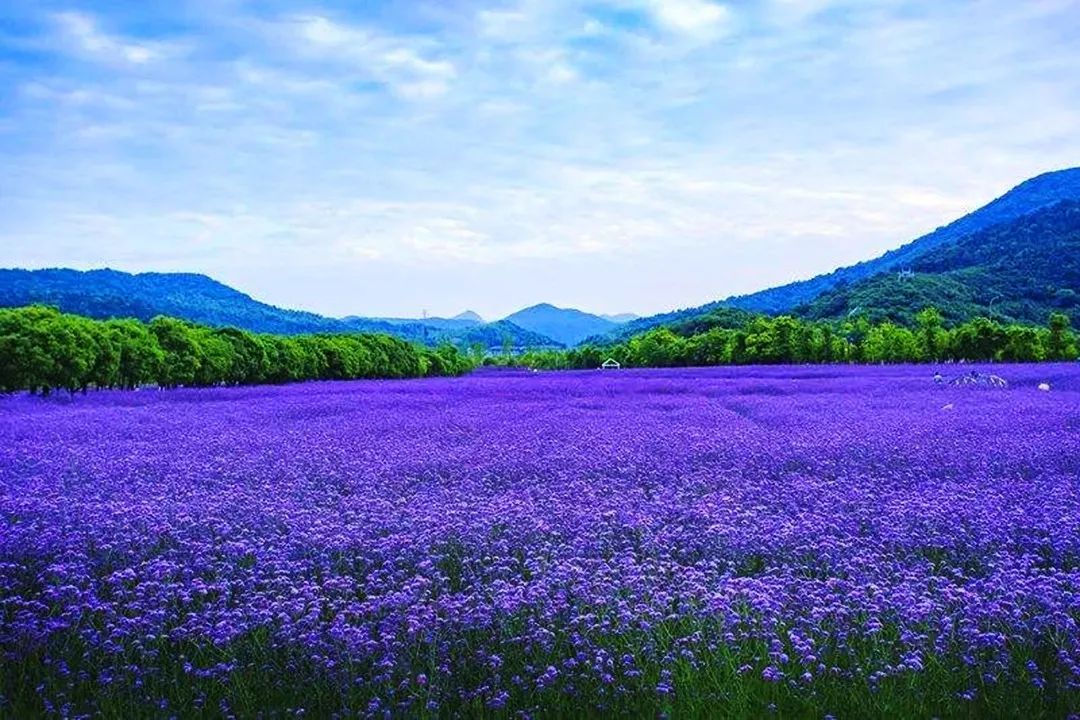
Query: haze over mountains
[1017,258]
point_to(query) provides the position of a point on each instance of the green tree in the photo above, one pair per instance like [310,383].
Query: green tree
[139,355]
[1061,343]
[27,359]
[932,336]
[1023,344]
[979,339]
[712,347]
[217,357]
[657,348]
[105,370]
[182,356]
[891,343]
[250,363]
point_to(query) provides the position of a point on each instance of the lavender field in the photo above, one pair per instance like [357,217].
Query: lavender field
[800,542]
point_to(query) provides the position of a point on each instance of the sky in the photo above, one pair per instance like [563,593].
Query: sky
[388,158]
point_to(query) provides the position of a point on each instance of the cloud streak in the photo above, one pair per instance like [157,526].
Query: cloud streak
[399,63]
[81,34]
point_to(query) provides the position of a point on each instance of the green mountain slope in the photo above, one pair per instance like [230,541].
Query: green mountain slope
[1029,196]
[1017,271]
[110,293]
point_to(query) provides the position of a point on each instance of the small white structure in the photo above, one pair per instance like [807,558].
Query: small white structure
[1045,387]
[610,364]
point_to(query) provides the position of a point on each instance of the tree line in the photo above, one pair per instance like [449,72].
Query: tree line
[787,339]
[43,350]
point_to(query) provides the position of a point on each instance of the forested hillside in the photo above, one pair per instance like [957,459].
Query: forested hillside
[114,294]
[1019,271]
[43,350]
[105,294]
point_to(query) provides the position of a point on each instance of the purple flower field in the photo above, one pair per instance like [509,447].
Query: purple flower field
[855,541]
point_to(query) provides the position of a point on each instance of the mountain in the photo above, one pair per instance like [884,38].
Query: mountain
[620,318]
[568,326]
[110,293]
[497,335]
[197,298]
[1024,199]
[431,322]
[1028,197]
[468,315]
[1017,271]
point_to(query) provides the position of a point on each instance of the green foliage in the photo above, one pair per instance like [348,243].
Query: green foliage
[890,343]
[1017,272]
[139,355]
[1060,341]
[930,334]
[182,355]
[979,339]
[43,350]
[787,339]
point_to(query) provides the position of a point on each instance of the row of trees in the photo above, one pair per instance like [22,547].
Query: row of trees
[42,350]
[786,339]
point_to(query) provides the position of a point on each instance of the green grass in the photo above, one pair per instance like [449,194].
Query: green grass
[272,682]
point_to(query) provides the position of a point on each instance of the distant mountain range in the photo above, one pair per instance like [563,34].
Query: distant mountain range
[1017,258]
[1021,252]
[111,293]
[565,325]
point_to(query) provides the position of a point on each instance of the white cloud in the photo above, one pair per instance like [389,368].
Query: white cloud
[694,17]
[397,61]
[81,33]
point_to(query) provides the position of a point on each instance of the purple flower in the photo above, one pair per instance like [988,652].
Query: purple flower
[489,536]
[772,674]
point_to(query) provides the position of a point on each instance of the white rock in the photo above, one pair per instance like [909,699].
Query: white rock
[1045,387]
[948,407]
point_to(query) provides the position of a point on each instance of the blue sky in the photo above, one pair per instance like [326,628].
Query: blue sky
[613,155]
